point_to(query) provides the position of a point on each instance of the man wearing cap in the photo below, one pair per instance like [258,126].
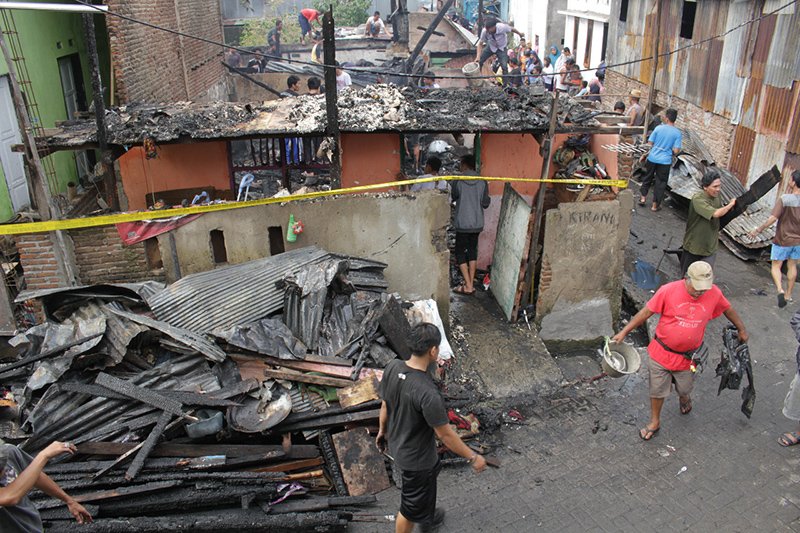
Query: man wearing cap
[635,112]
[686,307]
[19,473]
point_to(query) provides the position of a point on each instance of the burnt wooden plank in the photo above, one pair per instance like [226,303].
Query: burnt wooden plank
[362,391]
[290,466]
[170,449]
[362,464]
[118,492]
[332,421]
[294,375]
[148,445]
[140,393]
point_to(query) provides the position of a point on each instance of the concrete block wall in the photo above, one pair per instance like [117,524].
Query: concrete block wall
[155,66]
[102,257]
[714,130]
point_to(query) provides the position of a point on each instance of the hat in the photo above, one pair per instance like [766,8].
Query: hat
[701,275]
[636,93]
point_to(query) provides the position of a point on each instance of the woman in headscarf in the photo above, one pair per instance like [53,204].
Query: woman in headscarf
[554,54]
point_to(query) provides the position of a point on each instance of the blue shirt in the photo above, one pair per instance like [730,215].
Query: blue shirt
[664,139]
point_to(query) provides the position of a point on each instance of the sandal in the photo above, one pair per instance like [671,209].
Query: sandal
[686,407]
[642,201]
[461,289]
[646,433]
[789,439]
[781,300]
[655,208]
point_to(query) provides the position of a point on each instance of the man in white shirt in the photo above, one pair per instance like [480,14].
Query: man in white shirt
[494,42]
[342,78]
[375,26]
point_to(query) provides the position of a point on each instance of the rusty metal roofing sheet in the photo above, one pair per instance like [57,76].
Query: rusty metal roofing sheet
[709,93]
[767,151]
[742,152]
[776,111]
[730,86]
[783,66]
[750,103]
[236,294]
[766,27]
[793,142]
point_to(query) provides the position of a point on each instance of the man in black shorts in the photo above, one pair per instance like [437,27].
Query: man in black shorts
[471,198]
[413,412]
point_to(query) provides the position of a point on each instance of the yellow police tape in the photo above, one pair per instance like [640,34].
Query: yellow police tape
[106,220]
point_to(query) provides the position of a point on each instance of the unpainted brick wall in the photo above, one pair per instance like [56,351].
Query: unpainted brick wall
[154,66]
[714,130]
[103,258]
[39,262]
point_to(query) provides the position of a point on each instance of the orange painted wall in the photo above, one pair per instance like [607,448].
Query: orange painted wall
[606,157]
[369,158]
[178,166]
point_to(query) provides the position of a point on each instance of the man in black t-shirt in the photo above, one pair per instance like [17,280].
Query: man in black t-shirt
[412,415]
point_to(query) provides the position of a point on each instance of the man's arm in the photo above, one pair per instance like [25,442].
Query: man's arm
[736,320]
[51,488]
[639,319]
[479,50]
[724,209]
[450,438]
[13,493]
[770,221]
[486,199]
[380,440]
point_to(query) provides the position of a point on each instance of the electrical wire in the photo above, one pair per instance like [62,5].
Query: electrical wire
[368,70]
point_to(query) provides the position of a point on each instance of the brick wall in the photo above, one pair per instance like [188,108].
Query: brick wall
[39,262]
[103,258]
[714,130]
[625,162]
[155,66]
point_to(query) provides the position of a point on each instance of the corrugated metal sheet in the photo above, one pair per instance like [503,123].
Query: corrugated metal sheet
[776,111]
[236,294]
[647,49]
[767,151]
[750,102]
[793,142]
[742,152]
[712,74]
[730,86]
[784,61]
[766,27]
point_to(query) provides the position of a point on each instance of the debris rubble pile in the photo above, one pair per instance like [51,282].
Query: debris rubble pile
[239,398]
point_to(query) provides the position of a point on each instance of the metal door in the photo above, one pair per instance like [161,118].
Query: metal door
[12,163]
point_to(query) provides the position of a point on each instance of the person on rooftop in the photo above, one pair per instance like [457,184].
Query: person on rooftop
[494,42]
[306,18]
[375,26]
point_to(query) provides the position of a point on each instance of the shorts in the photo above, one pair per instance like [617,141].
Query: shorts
[791,405]
[418,494]
[782,253]
[305,25]
[661,379]
[466,247]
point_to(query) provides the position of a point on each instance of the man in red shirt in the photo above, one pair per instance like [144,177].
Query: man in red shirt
[686,306]
[305,18]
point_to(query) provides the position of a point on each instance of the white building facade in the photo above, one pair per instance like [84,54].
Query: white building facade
[586,32]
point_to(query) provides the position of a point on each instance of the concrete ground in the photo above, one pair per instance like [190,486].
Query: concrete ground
[579,465]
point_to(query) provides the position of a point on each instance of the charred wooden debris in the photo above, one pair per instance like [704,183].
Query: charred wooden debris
[241,398]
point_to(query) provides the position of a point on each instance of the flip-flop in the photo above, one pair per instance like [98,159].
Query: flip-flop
[463,290]
[781,300]
[789,439]
[655,208]
[686,407]
[646,433]
[642,202]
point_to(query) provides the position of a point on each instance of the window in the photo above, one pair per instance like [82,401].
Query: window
[218,251]
[623,11]
[687,18]
[275,235]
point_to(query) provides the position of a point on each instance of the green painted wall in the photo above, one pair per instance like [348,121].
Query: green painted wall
[45,37]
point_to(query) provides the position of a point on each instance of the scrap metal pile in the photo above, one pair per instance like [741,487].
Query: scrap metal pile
[237,398]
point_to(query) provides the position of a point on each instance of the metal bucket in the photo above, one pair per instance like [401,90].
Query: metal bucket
[620,359]
[472,71]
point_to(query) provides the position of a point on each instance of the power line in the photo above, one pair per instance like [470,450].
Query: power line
[368,70]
